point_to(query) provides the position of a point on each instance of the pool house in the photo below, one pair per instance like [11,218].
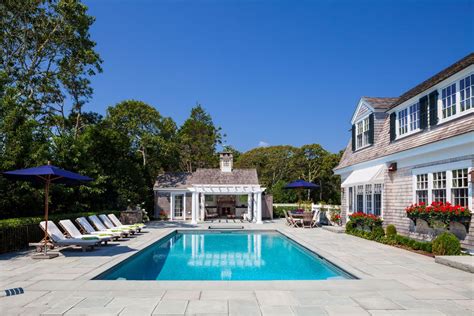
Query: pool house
[221,193]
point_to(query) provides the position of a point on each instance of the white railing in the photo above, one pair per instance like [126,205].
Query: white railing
[314,207]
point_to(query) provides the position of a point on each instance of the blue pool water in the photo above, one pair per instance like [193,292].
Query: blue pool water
[241,255]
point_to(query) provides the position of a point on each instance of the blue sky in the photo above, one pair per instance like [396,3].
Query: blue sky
[274,72]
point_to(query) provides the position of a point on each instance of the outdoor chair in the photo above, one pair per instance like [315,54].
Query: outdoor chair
[210,215]
[315,220]
[72,232]
[86,227]
[57,238]
[295,222]
[288,220]
[111,225]
[100,226]
[117,223]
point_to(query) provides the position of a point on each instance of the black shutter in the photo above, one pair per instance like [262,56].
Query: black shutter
[353,137]
[433,98]
[371,128]
[393,119]
[424,112]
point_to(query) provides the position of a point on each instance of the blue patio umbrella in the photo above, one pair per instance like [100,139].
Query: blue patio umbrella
[46,175]
[301,185]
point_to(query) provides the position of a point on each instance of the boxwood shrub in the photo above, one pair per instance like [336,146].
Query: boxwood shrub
[446,244]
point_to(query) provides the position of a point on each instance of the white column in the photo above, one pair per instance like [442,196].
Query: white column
[254,208]
[184,206]
[172,206]
[202,206]
[194,208]
[249,206]
[259,208]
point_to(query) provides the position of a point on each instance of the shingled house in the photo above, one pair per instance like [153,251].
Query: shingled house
[222,193]
[418,147]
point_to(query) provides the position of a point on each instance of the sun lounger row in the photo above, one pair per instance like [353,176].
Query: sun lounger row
[93,232]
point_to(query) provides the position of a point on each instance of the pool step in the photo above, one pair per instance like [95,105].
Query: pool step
[225,227]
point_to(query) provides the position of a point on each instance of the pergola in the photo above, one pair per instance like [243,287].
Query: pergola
[199,192]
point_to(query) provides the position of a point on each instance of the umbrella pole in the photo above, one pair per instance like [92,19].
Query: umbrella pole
[46,208]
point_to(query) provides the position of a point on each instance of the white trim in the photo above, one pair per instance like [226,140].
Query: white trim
[443,167]
[359,105]
[463,139]
[455,77]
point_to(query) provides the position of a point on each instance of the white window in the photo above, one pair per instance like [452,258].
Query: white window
[422,188]
[409,119]
[362,133]
[448,95]
[368,199]
[466,86]
[360,198]
[460,187]
[439,187]
[414,116]
[378,199]
[351,200]
[403,122]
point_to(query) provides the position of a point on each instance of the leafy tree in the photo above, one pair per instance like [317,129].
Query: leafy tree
[198,139]
[47,52]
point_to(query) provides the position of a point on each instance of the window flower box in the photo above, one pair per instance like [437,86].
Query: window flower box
[364,221]
[440,217]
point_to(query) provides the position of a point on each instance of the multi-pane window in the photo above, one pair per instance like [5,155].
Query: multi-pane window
[459,189]
[360,198]
[439,187]
[403,121]
[466,86]
[362,133]
[368,198]
[422,188]
[414,116]
[448,95]
[377,199]
[351,200]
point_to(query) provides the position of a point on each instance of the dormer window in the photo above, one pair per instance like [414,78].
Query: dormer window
[449,100]
[408,120]
[362,133]
[466,86]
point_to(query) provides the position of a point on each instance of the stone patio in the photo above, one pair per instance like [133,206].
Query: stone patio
[391,281]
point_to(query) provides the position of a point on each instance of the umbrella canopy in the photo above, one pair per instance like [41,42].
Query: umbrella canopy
[301,184]
[46,174]
[42,173]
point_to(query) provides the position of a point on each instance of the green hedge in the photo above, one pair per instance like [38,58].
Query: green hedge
[446,244]
[389,239]
[17,233]
[23,221]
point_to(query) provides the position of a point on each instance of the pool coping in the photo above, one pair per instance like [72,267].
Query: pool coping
[353,274]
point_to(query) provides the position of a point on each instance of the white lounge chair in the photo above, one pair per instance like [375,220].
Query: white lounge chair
[110,225]
[87,227]
[73,232]
[118,223]
[100,226]
[58,238]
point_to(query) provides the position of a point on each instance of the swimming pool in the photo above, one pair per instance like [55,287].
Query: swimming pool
[225,255]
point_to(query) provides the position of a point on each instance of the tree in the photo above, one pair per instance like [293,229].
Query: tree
[48,55]
[198,138]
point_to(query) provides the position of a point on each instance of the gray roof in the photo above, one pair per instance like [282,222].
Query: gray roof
[440,76]
[182,180]
[382,103]
[383,146]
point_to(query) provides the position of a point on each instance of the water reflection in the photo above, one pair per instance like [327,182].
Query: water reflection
[204,254]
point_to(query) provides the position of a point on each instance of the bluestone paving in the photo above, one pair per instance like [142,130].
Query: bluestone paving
[391,281]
